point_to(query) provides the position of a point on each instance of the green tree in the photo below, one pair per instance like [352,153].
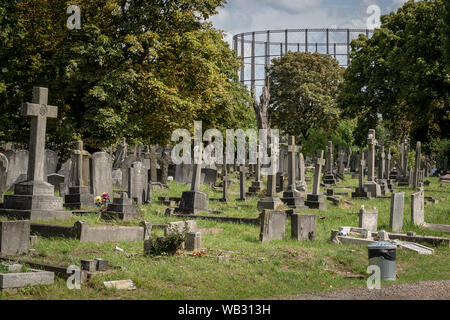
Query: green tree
[399,77]
[135,69]
[446,32]
[303,90]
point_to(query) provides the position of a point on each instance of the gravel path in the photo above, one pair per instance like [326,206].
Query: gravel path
[431,290]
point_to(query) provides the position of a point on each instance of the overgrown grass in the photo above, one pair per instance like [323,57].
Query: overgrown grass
[256,270]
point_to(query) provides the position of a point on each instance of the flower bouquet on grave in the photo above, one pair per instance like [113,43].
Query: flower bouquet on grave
[102,202]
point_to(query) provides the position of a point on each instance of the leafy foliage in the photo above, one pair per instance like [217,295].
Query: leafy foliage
[135,69]
[303,90]
[400,75]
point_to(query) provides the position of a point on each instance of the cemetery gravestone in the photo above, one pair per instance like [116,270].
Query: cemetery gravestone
[101,166]
[329,178]
[194,201]
[17,169]
[121,209]
[301,184]
[79,195]
[304,227]
[397,207]
[35,199]
[361,192]
[242,173]
[371,185]
[273,225]
[368,219]
[292,198]
[270,201]
[418,208]
[137,183]
[14,237]
[257,185]
[316,200]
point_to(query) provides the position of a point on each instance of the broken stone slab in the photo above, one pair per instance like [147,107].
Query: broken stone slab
[418,248]
[120,285]
[437,227]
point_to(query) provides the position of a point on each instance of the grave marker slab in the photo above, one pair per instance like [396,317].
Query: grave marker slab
[14,237]
[304,227]
[102,181]
[397,207]
[273,225]
[418,208]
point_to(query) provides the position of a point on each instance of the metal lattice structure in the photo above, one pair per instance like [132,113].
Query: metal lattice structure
[257,49]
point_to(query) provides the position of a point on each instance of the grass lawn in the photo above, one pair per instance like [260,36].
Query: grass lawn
[270,270]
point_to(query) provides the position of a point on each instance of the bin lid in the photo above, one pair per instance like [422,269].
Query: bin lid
[382,245]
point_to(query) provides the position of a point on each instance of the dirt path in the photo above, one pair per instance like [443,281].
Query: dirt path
[431,290]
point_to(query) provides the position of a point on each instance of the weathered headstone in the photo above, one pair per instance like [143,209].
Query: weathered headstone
[316,200]
[121,209]
[34,199]
[273,225]
[387,172]
[381,171]
[292,198]
[17,168]
[397,207]
[341,165]
[329,178]
[368,219]
[194,201]
[417,183]
[361,192]
[304,227]
[403,178]
[242,175]
[371,185]
[257,185]
[193,241]
[121,154]
[225,182]
[14,237]
[301,184]
[101,180]
[79,195]
[418,208]
[270,201]
[137,183]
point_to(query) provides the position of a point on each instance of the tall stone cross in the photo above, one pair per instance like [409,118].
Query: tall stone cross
[301,174]
[79,154]
[225,181]
[329,161]
[317,172]
[406,146]
[292,149]
[39,111]
[362,166]
[382,164]
[242,172]
[371,142]
[258,166]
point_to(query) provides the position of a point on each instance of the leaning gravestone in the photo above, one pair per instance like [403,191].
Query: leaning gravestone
[51,162]
[304,227]
[316,200]
[183,173]
[126,164]
[194,201]
[34,199]
[101,168]
[368,219]
[397,207]
[273,225]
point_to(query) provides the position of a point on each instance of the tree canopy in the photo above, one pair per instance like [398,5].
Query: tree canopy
[303,90]
[135,69]
[398,76]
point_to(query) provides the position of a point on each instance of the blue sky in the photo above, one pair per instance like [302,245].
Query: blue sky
[254,15]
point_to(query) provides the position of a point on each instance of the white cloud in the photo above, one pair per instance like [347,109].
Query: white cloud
[294,6]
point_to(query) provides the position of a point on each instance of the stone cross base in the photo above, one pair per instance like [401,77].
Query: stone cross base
[361,193]
[294,200]
[329,179]
[373,187]
[121,209]
[193,202]
[255,188]
[269,203]
[34,200]
[78,197]
[316,202]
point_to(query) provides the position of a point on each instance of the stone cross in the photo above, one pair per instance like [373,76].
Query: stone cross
[341,168]
[382,163]
[39,111]
[372,142]
[225,181]
[242,171]
[291,163]
[79,154]
[317,172]
[329,161]
[258,167]
[362,166]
